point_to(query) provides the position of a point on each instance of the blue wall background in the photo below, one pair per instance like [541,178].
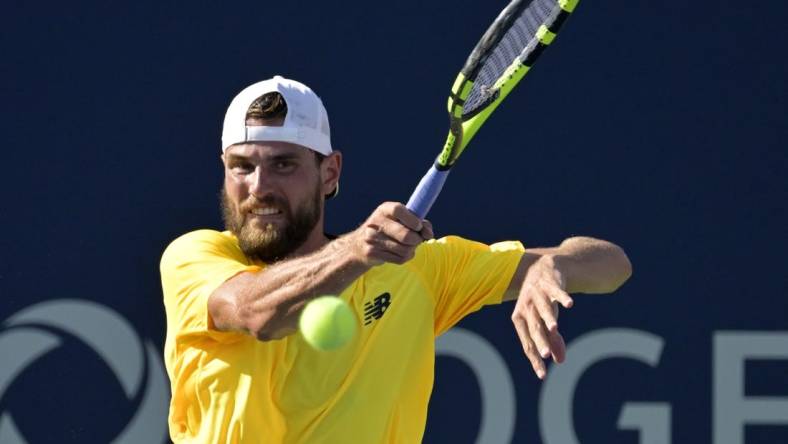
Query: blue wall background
[660,126]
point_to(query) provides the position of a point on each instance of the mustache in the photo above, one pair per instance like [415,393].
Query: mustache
[267,201]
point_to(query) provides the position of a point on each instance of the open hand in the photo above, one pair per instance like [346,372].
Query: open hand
[535,315]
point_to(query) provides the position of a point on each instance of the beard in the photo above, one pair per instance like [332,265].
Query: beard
[271,243]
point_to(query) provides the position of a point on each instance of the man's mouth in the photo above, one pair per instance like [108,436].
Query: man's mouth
[266,211]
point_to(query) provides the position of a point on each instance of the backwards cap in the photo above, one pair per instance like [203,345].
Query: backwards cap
[306,121]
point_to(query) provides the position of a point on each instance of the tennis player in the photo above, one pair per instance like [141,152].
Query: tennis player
[238,371]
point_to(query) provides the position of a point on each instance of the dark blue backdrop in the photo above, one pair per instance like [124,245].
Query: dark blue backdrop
[660,126]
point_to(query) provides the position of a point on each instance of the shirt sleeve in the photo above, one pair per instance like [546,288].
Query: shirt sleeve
[192,267]
[463,275]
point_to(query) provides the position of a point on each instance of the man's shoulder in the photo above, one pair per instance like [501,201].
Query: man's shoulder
[458,242]
[454,248]
[450,242]
[204,235]
[200,240]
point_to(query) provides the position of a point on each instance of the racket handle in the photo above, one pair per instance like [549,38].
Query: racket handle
[427,191]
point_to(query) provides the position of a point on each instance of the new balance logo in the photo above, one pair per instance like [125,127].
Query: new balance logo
[374,310]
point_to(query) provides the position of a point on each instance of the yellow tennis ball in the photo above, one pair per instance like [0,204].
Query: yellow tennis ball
[327,323]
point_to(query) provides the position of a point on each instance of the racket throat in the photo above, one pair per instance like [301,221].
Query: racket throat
[453,146]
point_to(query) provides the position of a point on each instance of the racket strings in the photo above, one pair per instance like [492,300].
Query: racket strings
[516,44]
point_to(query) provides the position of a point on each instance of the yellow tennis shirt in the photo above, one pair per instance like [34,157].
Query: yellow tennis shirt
[232,388]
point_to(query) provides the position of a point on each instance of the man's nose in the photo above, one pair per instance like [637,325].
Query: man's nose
[259,183]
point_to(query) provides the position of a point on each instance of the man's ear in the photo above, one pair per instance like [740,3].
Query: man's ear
[330,170]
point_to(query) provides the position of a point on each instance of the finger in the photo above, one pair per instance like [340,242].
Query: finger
[545,309]
[528,346]
[538,332]
[559,295]
[557,344]
[388,250]
[402,214]
[557,347]
[563,297]
[400,233]
[403,251]
[382,236]
[426,230]
[387,256]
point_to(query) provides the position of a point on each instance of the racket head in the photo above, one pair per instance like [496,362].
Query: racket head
[501,58]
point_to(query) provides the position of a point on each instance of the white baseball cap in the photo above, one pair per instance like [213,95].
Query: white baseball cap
[306,121]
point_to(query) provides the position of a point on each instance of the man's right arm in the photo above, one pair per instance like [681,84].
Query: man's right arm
[266,304]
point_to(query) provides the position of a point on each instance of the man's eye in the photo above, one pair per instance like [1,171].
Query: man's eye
[243,167]
[284,165]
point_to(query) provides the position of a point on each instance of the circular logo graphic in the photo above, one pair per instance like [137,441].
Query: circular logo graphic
[23,341]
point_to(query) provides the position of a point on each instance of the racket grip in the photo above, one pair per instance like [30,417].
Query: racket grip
[427,191]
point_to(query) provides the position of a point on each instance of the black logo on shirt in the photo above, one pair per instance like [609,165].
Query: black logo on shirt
[374,310]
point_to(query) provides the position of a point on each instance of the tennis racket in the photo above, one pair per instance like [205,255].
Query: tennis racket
[499,61]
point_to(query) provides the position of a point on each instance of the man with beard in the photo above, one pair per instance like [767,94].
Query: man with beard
[238,372]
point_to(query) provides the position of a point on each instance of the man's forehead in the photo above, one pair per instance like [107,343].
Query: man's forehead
[266,149]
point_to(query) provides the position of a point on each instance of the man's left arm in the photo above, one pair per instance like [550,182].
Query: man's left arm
[544,279]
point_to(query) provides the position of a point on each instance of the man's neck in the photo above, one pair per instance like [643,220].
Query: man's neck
[317,239]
